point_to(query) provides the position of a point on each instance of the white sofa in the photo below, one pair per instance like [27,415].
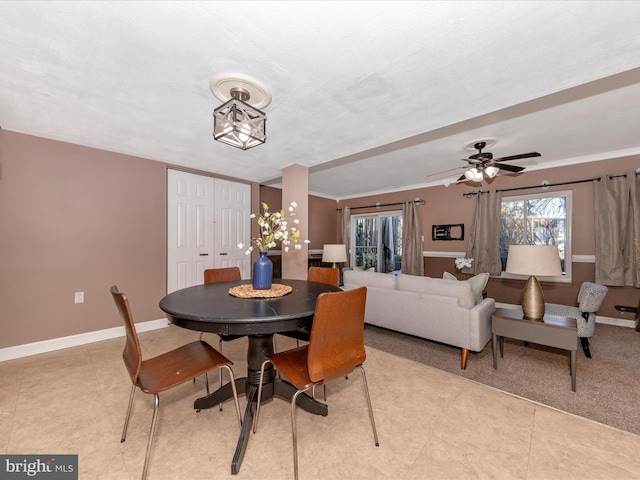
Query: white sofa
[432,308]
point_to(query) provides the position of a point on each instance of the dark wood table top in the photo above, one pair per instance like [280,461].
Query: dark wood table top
[210,308]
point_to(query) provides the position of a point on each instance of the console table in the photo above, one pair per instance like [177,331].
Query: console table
[552,331]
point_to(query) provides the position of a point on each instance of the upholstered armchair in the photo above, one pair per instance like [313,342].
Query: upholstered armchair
[590,299]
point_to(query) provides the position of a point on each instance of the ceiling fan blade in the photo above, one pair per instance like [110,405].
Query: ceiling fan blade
[445,171]
[509,168]
[517,157]
[461,178]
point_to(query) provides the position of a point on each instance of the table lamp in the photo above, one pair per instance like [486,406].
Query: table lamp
[532,260]
[334,253]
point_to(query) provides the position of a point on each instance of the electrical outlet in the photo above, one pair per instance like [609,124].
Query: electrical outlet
[79,297]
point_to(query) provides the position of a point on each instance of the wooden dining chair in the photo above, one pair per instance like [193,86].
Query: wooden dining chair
[219,275]
[330,276]
[335,349]
[165,371]
[226,274]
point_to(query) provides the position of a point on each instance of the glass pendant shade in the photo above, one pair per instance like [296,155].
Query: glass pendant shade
[473,174]
[477,174]
[491,172]
[238,124]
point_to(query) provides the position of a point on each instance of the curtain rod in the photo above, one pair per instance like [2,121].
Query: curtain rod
[417,201]
[587,180]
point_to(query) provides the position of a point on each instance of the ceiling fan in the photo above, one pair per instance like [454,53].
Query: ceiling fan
[484,165]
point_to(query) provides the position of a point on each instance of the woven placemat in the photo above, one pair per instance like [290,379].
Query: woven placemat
[247,291]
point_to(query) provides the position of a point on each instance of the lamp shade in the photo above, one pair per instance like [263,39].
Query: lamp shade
[539,260]
[532,260]
[334,253]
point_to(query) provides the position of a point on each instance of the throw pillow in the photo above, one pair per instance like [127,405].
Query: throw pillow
[477,282]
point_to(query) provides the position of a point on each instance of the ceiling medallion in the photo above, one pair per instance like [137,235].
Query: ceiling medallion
[488,142]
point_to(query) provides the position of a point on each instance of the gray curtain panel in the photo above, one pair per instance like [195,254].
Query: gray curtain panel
[484,240]
[346,229]
[616,201]
[412,260]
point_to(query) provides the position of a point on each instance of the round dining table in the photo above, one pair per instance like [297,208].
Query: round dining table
[211,308]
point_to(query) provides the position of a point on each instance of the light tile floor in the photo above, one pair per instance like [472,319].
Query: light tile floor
[431,424]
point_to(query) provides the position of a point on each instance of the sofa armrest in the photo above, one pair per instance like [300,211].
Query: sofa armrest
[485,308]
[480,324]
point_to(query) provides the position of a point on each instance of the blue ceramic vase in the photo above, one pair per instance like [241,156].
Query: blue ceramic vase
[262,272]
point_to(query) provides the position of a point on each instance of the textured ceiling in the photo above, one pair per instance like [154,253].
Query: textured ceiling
[371,96]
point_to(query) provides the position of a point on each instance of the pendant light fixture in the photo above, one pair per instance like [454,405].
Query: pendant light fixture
[239,122]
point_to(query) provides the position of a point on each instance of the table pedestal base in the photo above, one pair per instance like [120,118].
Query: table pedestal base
[259,347]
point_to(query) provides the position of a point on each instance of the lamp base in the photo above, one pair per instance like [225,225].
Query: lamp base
[533,300]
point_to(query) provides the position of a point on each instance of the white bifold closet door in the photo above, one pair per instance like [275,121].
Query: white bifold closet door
[206,219]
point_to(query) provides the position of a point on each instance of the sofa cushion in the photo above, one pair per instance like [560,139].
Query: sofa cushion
[360,269]
[438,286]
[369,279]
[478,282]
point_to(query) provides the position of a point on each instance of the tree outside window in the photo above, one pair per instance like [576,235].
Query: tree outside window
[538,219]
[377,243]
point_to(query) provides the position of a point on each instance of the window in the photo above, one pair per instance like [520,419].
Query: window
[538,219]
[377,241]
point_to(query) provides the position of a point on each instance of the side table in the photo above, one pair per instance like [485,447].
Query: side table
[552,331]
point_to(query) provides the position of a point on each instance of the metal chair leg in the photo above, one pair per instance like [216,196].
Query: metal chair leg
[201,333]
[126,418]
[156,407]
[366,392]
[232,380]
[294,431]
[220,350]
[255,420]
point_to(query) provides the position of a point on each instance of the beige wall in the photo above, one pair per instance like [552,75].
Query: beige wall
[77,219]
[447,205]
[322,216]
[74,219]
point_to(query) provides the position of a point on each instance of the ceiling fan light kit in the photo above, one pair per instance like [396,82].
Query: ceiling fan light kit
[473,174]
[491,171]
[239,122]
[483,165]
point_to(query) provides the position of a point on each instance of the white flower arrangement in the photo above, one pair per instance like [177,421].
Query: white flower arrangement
[274,227]
[463,263]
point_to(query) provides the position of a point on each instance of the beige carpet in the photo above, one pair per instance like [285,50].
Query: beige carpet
[608,385]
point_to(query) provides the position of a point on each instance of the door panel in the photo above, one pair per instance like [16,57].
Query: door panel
[207,218]
[233,207]
[189,228]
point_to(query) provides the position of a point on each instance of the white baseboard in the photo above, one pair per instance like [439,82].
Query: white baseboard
[618,322]
[19,351]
